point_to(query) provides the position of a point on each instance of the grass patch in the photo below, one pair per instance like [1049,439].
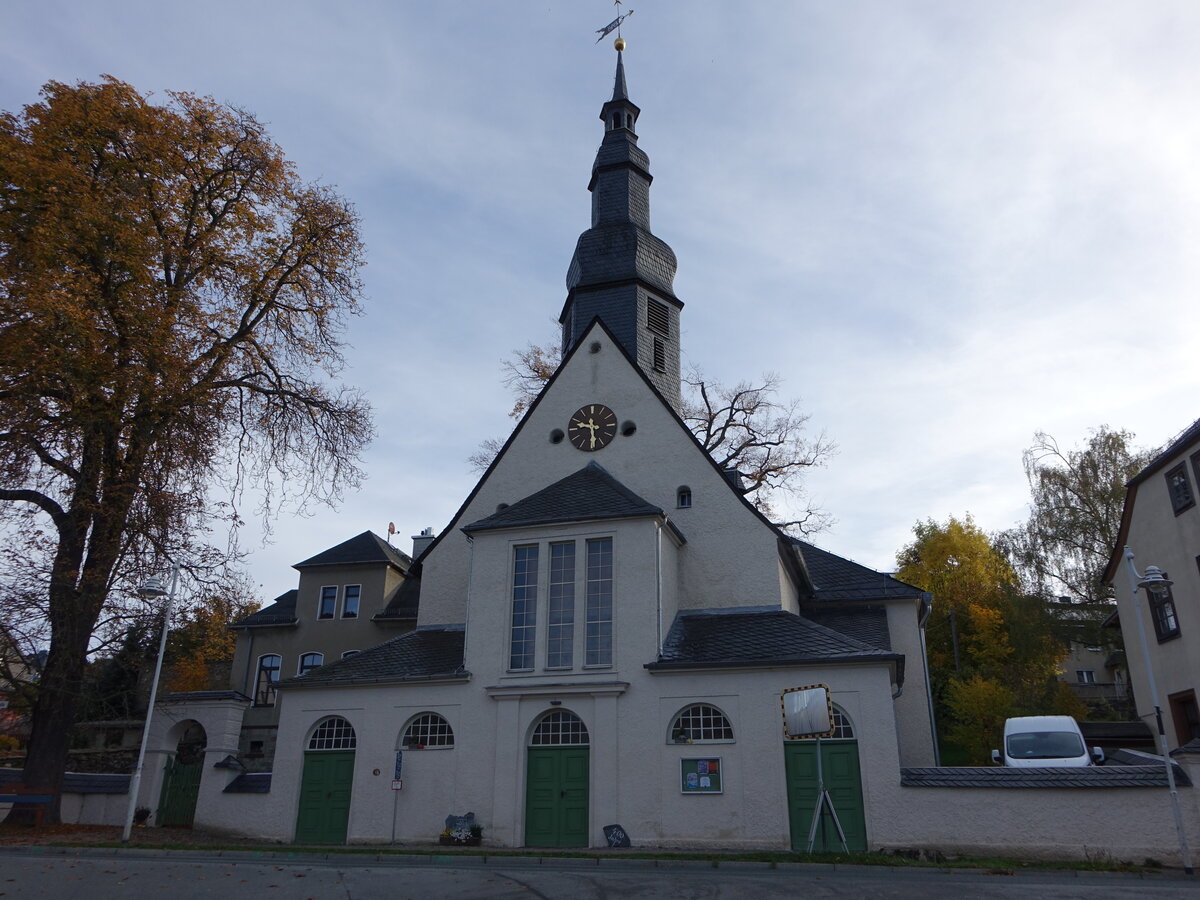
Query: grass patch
[992,866]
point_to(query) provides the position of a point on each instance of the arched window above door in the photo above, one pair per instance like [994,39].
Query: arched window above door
[558,728]
[333,733]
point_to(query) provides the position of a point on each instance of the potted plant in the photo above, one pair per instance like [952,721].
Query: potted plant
[461,837]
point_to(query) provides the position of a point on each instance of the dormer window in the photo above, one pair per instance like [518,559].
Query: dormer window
[350,601]
[328,602]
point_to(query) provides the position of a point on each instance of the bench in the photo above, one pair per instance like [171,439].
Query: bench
[15,792]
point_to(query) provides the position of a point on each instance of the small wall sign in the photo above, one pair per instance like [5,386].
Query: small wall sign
[397,785]
[700,776]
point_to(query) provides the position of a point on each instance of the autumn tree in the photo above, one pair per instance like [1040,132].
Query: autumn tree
[992,648]
[1076,499]
[200,646]
[172,297]
[744,427]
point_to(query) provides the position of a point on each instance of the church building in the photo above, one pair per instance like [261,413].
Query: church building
[604,632]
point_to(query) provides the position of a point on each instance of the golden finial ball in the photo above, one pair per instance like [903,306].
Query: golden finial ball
[619,43]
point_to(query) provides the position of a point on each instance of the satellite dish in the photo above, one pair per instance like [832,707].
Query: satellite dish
[391,527]
[807,712]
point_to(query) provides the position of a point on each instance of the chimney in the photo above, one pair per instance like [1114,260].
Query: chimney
[421,541]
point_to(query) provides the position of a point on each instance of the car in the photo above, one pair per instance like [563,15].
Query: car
[1042,741]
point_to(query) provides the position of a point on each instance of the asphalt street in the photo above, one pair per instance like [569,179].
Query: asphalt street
[103,874]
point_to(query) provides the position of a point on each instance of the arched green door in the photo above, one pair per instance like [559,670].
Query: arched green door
[326,784]
[843,780]
[556,783]
[181,780]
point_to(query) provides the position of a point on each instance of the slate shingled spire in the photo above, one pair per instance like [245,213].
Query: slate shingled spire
[620,271]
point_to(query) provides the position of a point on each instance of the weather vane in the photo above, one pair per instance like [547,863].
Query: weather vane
[614,25]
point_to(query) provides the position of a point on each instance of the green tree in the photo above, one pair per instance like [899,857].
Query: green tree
[172,297]
[992,648]
[200,646]
[1076,500]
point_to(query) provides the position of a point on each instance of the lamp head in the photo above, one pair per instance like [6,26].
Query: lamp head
[1156,582]
[153,588]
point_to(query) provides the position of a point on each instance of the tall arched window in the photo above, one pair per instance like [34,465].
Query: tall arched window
[701,723]
[268,677]
[333,733]
[559,727]
[427,730]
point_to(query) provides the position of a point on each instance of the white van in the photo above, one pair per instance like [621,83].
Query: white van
[1039,741]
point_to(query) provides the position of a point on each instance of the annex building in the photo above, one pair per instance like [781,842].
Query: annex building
[600,636]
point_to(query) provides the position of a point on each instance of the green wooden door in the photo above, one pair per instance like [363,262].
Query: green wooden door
[181,786]
[325,797]
[556,797]
[839,760]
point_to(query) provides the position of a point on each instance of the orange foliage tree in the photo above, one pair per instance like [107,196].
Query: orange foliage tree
[171,302]
[993,651]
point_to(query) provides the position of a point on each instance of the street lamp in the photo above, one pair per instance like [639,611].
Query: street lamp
[1158,587]
[152,590]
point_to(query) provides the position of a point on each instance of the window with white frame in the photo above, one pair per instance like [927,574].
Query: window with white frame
[1085,676]
[560,613]
[574,581]
[558,728]
[842,729]
[310,661]
[427,730]
[268,677]
[599,602]
[328,602]
[350,598]
[333,733]
[524,607]
[701,723]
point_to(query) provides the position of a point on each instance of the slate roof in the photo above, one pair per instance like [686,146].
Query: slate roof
[367,547]
[1005,777]
[837,579]
[78,782]
[282,611]
[863,623]
[194,696]
[404,603]
[422,655]
[250,783]
[731,639]
[591,493]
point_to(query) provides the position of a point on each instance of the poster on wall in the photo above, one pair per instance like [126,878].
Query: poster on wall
[700,776]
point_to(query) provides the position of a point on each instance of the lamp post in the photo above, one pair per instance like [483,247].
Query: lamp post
[152,589]
[1157,585]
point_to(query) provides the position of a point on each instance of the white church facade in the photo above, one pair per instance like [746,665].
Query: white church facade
[602,634]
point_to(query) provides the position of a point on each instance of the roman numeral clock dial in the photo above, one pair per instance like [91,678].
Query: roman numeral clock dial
[592,427]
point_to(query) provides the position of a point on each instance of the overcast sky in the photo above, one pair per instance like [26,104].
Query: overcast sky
[945,225]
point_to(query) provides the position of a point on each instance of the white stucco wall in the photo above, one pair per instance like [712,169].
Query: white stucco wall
[1159,537]
[731,555]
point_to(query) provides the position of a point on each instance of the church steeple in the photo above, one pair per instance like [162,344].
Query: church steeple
[620,271]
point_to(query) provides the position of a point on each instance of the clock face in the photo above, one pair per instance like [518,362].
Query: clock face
[592,427]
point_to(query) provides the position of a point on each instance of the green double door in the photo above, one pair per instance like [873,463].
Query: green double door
[556,797]
[839,762]
[325,797]
[181,786]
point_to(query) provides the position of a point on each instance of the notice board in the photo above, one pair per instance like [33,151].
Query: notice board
[700,776]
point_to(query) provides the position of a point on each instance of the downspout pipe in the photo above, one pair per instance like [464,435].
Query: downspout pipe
[658,586]
[922,619]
